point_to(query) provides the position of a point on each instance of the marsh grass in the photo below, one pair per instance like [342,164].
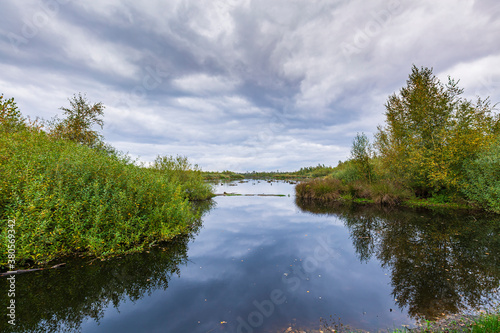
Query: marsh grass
[333,189]
[485,323]
[326,189]
[67,198]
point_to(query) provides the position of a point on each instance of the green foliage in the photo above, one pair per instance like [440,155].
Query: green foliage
[347,172]
[487,323]
[482,183]
[79,120]
[225,176]
[320,170]
[431,131]
[179,170]
[10,116]
[66,197]
[434,145]
[361,154]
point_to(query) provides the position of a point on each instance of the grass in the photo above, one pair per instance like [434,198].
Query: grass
[384,193]
[67,198]
[333,189]
[485,323]
[431,204]
[345,184]
[327,189]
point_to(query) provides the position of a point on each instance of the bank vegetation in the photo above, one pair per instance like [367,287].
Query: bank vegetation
[67,192]
[436,148]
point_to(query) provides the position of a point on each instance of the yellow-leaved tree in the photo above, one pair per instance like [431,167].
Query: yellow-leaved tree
[431,131]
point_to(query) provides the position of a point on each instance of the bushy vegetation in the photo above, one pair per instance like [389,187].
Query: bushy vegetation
[178,170]
[431,132]
[304,173]
[224,176]
[435,145]
[67,195]
[334,189]
[78,122]
[320,170]
[482,178]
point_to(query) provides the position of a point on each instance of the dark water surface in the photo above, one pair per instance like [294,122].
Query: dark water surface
[263,263]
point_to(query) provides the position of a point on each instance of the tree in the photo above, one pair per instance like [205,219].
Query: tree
[431,131]
[80,118]
[10,116]
[361,156]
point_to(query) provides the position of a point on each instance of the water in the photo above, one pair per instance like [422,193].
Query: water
[266,263]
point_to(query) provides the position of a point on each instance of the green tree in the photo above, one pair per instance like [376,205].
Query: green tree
[79,121]
[10,116]
[431,131]
[361,154]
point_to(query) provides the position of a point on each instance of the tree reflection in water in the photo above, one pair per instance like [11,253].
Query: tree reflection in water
[62,299]
[440,262]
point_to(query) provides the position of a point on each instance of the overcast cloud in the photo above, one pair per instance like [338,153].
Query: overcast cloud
[238,84]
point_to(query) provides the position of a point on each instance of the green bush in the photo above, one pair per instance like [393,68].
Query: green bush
[11,119]
[178,169]
[66,197]
[347,172]
[320,170]
[482,179]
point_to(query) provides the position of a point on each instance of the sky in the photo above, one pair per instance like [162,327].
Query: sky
[241,85]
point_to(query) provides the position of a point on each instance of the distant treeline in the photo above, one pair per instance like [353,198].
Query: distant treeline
[66,191]
[304,173]
[435,148]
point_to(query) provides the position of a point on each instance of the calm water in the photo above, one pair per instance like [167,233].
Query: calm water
[263,263]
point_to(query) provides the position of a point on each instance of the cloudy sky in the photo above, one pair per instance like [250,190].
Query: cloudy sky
[241,84]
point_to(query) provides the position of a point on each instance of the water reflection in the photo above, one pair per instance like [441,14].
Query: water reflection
[325,260]
[62,299]
[440,262]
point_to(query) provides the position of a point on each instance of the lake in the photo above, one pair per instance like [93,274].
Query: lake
[266,263]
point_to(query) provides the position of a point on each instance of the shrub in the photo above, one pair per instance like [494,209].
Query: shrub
[482,179]
[361,156]
[66,197]
[320,170]
[347,172]
[10,117]
[178,169]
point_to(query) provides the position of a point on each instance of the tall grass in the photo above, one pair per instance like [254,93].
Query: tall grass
[333,189]
[488,323]
[327,189]
[66,197]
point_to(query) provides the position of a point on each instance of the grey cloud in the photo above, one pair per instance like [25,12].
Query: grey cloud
[254,84]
